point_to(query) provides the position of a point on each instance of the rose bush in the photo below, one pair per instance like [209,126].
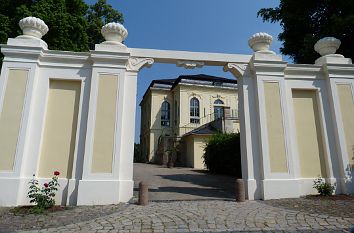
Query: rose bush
[43,197]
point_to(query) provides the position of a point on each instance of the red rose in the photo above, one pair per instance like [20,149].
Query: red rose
[46,185]
[56,173]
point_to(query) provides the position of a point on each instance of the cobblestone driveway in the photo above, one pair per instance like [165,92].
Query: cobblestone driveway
[210,216]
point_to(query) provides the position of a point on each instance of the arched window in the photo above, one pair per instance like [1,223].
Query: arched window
[194,111]
[218,109]
[165,114]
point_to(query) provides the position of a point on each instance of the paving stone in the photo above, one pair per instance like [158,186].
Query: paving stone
[188,216]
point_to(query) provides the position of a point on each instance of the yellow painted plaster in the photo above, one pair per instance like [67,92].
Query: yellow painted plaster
[103,146]
[347,110]
[276,141]
[309,135]
[59,138]
[199,145]
[10,118]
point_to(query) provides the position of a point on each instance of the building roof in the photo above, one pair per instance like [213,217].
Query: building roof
[207,78]
[201,79]
[206,129]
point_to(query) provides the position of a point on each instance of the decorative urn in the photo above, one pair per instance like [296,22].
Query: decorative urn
[327,46]
[33,27]
[114,33]
[260,41]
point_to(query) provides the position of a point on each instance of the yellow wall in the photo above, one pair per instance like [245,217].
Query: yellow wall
[199,145]
[153,119]
[276,142]
[309,136]
[194,150]
[236,126]
[157,98]
[145,125]
[206,96]
[59,136]
[10,117]
[103,145]
[347,110]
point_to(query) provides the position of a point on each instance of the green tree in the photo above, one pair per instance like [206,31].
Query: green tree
[304,22]
[73,25]
[98,15]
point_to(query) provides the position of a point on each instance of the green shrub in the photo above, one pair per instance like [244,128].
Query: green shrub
[222,154]
[138,158]
[323,188]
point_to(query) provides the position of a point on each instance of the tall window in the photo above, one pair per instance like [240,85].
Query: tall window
[194,111]
[165,114]
[218,109]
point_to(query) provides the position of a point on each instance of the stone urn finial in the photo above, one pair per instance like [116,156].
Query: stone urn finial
[114,33]
[260,41]
[327,46]
[33,27]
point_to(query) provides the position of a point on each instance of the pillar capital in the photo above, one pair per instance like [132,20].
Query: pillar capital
[137,63]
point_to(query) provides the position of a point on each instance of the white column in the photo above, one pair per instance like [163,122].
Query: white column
[108,162]
[268,69]
[251,172]
[20,62]
[125,166]
[101,182]
[338,71]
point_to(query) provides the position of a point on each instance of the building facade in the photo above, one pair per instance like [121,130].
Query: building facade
[175,107]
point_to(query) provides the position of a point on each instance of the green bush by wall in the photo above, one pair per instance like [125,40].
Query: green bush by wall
[222,154]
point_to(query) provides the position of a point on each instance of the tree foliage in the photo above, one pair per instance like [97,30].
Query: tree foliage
[73,25]
[304,22]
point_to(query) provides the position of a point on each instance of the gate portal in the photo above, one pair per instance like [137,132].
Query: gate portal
[73,112]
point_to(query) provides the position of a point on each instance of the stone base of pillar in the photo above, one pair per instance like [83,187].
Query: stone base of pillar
[104,192]
[9,191]
[280,188]
[252,190]
[14,191]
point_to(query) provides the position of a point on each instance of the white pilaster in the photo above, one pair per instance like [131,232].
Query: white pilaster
[337,70]
[21,53]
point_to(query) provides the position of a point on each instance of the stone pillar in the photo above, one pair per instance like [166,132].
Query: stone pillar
[108,161]
[17,103]
[17,92]
[272,123]
[339,75]
[101,181]
[249,139]
[267,163]
[264,125]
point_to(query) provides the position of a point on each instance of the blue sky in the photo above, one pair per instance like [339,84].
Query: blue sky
[222,26]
